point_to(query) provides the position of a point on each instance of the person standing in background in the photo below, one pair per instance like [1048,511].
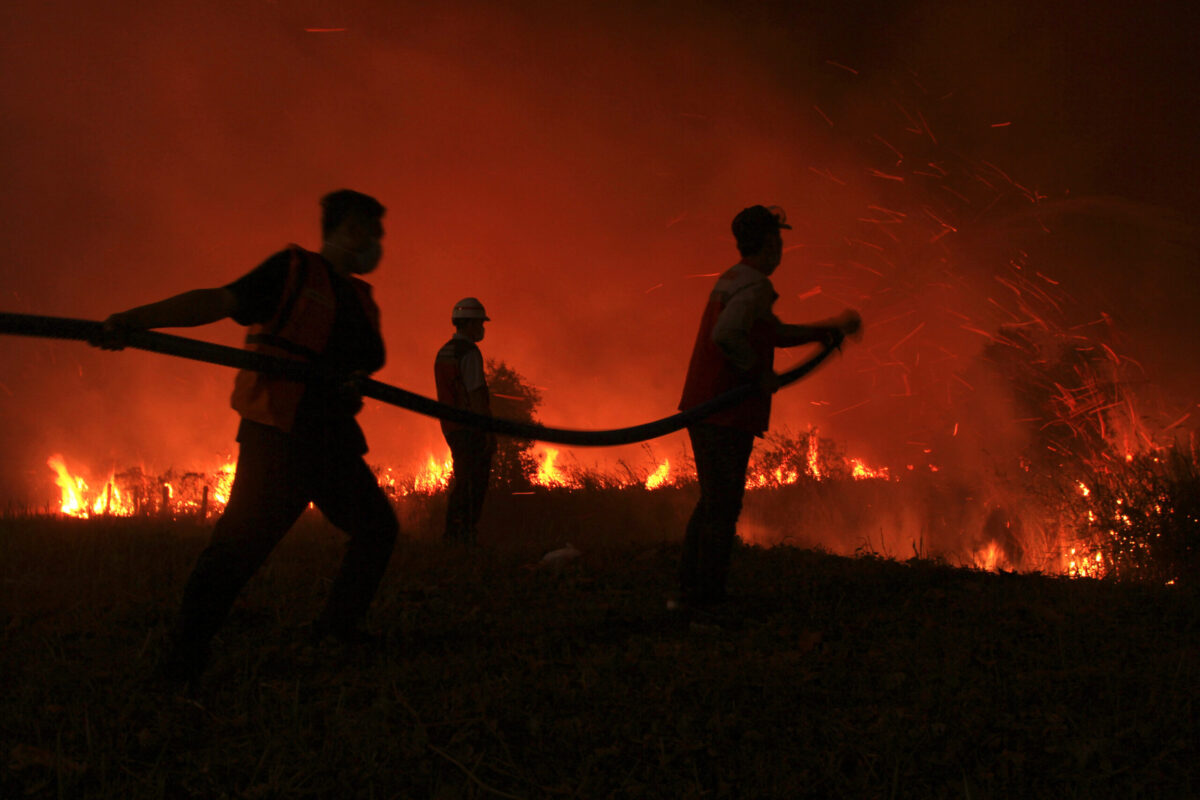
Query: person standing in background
[458,370]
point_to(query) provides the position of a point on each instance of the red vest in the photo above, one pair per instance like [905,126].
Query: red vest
[447,371]
[299,331]
[710,373]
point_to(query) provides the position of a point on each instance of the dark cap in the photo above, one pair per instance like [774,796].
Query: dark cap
[751,225]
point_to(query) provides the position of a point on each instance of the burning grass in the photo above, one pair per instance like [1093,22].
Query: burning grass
[1144,518]
[132,492]
[1136,518]
[830,676]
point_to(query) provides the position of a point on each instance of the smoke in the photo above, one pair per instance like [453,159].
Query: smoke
[576,169]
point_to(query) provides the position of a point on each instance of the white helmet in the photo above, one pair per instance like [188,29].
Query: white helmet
[469,308]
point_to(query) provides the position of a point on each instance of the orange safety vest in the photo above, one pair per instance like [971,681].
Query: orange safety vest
[299,330]
[447,372]
[710,374]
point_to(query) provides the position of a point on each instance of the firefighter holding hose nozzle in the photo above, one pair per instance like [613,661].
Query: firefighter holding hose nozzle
[736,345]
[458,370]
[299,442]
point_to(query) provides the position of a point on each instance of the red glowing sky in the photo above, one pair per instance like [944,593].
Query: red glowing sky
[575,169]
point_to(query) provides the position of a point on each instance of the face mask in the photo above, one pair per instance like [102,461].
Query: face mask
[364,260]
[367,259]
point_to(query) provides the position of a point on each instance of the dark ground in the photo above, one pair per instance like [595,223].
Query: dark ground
[828,677]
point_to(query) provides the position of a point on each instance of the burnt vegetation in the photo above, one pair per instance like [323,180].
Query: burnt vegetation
[1145,518]
[1105,479]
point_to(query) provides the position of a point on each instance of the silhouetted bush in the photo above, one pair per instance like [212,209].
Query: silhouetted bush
[1146,517]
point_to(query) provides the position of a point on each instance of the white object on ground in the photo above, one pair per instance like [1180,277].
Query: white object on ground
[561,556]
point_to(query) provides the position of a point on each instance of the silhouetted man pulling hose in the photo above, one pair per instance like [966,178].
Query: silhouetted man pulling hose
[736,346]
[299,442]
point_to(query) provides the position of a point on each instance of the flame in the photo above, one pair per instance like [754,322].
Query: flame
[991,558]
[224,482]
[110,501]
[814,461]
[548,473]
[765,479]
[71,486]
[434,476]
[75,496]
[658,478]
[1099,520]
[861,472]
[118,496]
[1083,565]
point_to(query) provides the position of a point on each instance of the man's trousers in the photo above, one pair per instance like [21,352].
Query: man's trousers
[472,469]
[722,455]
[277,477]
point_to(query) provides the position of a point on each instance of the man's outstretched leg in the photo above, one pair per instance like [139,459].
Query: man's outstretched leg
[350,498]
[264,502]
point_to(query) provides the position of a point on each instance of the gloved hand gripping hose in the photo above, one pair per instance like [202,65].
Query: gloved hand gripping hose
[179,346]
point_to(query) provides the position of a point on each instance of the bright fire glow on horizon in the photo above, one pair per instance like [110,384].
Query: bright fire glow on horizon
[1002,547]
[1028,303]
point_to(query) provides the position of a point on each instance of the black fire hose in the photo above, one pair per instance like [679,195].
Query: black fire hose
[88,331]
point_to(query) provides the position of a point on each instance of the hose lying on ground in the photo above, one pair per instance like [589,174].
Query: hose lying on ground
[179,346]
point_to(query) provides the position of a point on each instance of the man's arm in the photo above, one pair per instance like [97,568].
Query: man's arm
[197,307]
[477,390]
[829,332]
[477,401]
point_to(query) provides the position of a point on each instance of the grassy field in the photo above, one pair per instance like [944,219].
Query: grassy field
[828,677]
